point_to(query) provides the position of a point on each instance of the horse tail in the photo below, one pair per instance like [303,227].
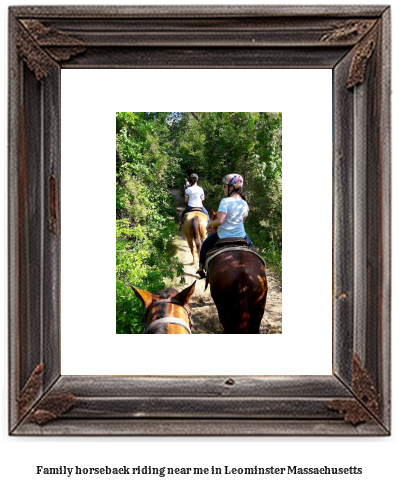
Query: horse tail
[242,302]
[196,234]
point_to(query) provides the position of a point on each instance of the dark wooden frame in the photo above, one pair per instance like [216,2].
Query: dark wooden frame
[353,41]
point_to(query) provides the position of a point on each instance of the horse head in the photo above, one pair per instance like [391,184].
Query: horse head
[215,214]
[167,311]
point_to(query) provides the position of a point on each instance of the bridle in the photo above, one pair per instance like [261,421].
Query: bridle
[168,320]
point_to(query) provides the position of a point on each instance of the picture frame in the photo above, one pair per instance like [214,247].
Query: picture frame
[352,41]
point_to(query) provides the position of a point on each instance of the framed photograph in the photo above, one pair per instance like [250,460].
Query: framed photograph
[353,43]
[88,223]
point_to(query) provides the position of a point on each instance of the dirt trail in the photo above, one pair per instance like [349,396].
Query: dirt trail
[205,315]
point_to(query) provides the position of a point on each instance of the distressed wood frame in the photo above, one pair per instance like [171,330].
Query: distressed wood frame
[352,41]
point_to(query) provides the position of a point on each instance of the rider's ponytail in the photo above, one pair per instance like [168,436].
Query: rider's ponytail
[239,192]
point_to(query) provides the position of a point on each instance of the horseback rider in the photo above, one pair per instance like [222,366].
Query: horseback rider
[194,196]
[232,212]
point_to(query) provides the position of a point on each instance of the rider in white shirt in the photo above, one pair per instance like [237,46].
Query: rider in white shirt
[194,196]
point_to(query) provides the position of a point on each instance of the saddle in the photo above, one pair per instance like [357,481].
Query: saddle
[192,210]
[229,244]
[230,241]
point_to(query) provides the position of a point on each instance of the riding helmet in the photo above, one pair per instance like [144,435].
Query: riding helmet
[233,180]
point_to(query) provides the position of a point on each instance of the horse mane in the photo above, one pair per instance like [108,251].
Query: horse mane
[162,310]
[167,293]
[159,329]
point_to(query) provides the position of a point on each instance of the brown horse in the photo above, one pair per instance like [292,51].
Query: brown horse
[194,227]
[214,216]
[238,288]
[167,312]
[238,284]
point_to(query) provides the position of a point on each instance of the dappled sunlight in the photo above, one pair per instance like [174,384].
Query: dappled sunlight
[231,162]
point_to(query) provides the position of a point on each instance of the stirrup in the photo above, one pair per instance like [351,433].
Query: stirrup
[201,274]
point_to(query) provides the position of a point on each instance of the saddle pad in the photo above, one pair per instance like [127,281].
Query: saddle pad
[227,247]
[214,253]
[239,246]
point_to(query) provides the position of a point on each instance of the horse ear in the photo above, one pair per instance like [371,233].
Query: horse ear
[185,295]
[145,297]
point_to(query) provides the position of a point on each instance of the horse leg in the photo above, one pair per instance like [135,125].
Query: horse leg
[191,244]
[203,230]
[257,314]
[197,236]
[188,232]
[254,324]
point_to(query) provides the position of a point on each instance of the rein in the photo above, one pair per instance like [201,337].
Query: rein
[168,320]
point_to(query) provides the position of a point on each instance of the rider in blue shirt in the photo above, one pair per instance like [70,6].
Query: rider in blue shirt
[232,212]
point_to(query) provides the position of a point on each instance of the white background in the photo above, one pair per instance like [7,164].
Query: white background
[90,99]
[377,456]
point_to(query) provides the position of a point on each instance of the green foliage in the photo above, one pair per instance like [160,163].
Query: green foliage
[144,264]
[154,152]
[145,212]
[216,144]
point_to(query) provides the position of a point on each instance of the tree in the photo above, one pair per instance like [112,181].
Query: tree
[144,210]
[155,151]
